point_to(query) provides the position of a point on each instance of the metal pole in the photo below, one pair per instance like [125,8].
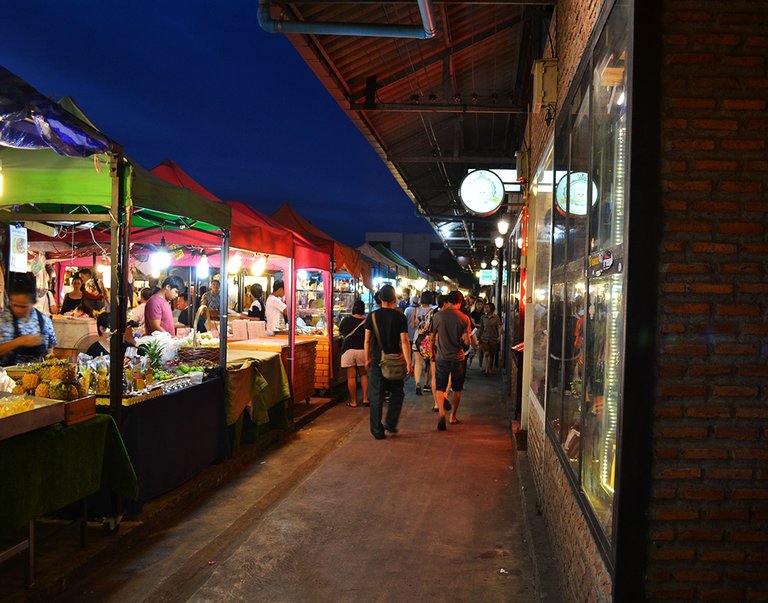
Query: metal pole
[223,299]
[120,239]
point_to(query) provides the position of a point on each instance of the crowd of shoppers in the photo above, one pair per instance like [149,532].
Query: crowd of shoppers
[433,337]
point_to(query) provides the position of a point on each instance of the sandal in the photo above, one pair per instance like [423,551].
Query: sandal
[353,405]
[366,403]
[454,421]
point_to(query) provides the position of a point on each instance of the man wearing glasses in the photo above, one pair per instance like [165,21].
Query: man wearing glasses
[26,334]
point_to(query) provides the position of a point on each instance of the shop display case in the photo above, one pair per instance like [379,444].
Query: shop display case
[345,292]
[310,298]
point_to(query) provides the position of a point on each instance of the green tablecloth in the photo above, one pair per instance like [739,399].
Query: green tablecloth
[261,379]
[47,469]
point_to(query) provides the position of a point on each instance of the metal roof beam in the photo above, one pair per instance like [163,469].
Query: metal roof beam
[438,57]
[429,108]
[442,159]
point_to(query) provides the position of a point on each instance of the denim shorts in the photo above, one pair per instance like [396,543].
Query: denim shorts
[456,369]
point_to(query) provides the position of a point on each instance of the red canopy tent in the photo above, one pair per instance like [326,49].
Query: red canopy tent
[345,257]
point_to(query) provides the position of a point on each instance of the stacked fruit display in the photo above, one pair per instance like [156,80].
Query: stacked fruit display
[55,379]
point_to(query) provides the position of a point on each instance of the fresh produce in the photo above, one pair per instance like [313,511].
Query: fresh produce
[154,353]
[162,375]
[14,406]
[53,378]
[185,369]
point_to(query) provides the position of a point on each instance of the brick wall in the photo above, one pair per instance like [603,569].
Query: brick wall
[709,512]
[582,571]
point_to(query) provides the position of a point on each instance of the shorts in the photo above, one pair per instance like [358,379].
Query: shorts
[457,369]
[490,347]
[353,358]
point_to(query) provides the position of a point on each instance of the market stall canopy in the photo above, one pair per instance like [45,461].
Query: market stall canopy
[345,257]
[29,120]
[410,270]
[377,258]
[251,230]
[59,184]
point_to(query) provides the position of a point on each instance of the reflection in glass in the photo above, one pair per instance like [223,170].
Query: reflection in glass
[602,376]
[542,227]
[579,179]
[561,193]
[610,133]
[572,392]
[554,404]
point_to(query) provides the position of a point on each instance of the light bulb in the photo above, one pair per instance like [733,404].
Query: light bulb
[203,268]
[161,259]
[106,275]
[301,275]
[494,262]
[483,264]
[499,242]
[503,225]
[520,243]
[259,266]
[235,264]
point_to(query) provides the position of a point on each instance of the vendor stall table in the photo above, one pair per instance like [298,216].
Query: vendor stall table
[173,437]
[257,382]
[303,386]
[47,469]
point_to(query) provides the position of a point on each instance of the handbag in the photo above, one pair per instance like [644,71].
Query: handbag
[392,366]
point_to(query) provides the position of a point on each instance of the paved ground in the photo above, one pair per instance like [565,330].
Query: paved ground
[334,515]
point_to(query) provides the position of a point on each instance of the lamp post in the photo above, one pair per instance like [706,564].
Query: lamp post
[499,242]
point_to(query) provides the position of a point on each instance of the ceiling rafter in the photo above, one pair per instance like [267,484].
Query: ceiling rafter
[432,59]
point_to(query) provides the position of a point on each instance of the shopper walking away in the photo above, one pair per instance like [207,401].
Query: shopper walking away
[386,332]
[422,357]
[490,336]
[450,333]
[353,352]
[442,302]
[476,316]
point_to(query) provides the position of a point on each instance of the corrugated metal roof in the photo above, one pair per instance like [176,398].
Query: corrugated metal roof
[440,106]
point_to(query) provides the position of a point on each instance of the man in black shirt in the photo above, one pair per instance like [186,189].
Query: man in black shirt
[393,338]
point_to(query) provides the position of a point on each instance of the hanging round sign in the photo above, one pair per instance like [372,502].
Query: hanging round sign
[482,192]
[579,187]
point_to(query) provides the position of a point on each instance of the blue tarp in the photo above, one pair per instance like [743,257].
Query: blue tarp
[28,120]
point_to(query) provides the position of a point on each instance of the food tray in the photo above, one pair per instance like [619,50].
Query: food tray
[46,412]
[17,371]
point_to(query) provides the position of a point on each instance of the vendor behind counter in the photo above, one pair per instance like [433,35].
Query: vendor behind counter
[26,334]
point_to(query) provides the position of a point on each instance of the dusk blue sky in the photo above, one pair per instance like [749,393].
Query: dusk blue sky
[200,83]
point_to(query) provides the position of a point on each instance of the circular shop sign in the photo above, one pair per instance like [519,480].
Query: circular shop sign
[482,192]
[579,187]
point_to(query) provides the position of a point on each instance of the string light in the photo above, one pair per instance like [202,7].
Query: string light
[499,242]
[203,267]
[235,264]
[259,266]
[161,259]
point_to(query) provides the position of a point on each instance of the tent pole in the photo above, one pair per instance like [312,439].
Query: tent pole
[120,237]
[292,329]
[223,300]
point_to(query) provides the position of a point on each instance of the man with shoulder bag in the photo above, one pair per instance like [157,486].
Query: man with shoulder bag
[387,360]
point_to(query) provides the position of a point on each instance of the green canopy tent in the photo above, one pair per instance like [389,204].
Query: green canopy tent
[108,191]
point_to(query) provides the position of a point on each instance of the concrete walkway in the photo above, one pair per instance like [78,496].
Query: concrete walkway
[334,515]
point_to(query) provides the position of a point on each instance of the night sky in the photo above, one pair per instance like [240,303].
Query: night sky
[200,83]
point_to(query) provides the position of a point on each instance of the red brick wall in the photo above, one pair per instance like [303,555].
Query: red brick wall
[709,512]
[582,571]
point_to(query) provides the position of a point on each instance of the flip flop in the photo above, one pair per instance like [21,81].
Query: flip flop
[366,403]
[353,405]
[454,422]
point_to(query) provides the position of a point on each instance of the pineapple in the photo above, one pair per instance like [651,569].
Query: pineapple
[71,373]
[74,394]
[18,389]
[43,391]
[59,390]
[30,381]
[44,372]
[58,371]
[154,352]
[81,390]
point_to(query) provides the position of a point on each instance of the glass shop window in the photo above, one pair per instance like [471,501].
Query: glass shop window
[541,225]
[609,160]
[579,194]
[561,154]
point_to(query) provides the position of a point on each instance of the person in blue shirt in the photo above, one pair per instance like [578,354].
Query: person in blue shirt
[26,334]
